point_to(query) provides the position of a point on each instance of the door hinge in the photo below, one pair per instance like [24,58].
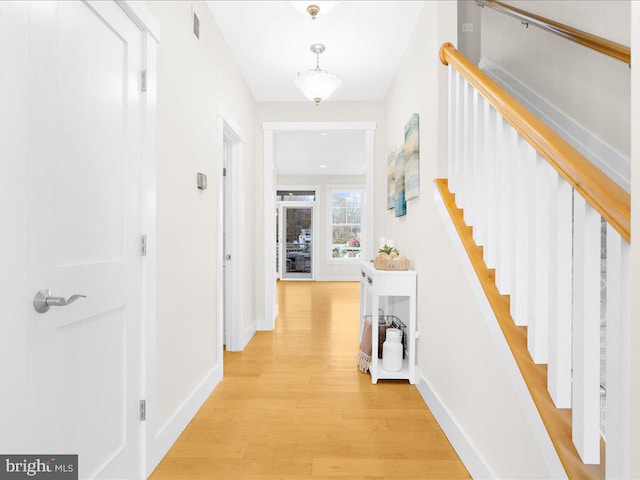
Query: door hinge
[143,246]
[143,410]
[143,81]
[224,172]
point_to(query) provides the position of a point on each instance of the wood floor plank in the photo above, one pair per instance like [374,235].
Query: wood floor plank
[293,405]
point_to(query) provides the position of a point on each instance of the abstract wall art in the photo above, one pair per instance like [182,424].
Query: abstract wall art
[412,157]
[401,203]
[391,179]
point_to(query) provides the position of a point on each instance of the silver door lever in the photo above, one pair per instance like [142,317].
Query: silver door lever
[43,300]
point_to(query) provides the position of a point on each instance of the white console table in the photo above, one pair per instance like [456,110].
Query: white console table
[395,293]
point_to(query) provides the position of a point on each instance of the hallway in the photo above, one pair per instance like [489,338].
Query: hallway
[293,405]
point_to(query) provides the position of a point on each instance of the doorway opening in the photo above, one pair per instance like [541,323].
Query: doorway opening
[295,234]
[284,162]
[230,236]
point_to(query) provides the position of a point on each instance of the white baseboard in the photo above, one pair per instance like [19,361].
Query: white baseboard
[338,278]
[170,432]
[248,334]
[263,325]
[463,446]
[529,408]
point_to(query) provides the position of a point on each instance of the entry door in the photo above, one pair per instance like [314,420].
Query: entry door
[84,235]
[297,259]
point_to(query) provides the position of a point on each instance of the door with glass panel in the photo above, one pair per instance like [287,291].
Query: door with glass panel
[297,258]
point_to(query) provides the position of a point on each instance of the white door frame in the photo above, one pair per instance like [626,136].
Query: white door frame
[269,183]
[314,226]
[234,324]
[151,450]
[314,238]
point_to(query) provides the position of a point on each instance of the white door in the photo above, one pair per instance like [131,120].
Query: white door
[84,235]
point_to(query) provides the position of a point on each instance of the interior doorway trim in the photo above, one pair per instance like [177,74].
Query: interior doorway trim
[233,322]
[269,184]
[314,228]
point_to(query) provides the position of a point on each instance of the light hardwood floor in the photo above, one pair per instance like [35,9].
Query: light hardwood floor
[293,405]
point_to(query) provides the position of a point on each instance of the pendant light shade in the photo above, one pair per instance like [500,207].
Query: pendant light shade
[317,84]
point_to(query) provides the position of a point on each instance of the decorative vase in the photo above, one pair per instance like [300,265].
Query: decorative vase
[392,350]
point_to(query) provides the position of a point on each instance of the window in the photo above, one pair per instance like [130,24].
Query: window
[295,196]
[345,223]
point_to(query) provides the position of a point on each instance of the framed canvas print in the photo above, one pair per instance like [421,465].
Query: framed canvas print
[412,157]
[391,179]
[401,203]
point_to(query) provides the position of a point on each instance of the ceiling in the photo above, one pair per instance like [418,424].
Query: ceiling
[270,42]
[342,152]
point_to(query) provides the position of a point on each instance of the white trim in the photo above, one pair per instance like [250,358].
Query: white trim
[149,26]
[142,17]
[606,158]
[235,206]
[248,334]
[461,443]
[228,118]
[171,430]
[269,128]
[338,278]
[311,126]
[269,202]
[521,391]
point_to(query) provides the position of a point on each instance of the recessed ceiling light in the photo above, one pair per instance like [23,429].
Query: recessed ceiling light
[324,134]
[323,166]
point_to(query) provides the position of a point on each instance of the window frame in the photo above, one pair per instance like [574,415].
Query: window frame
[329,191]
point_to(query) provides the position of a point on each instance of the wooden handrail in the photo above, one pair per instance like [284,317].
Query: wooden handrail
[602,193]
[602,45]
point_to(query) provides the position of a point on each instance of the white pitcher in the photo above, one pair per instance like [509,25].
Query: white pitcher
[392,350]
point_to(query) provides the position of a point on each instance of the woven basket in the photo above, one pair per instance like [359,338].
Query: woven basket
[384,261]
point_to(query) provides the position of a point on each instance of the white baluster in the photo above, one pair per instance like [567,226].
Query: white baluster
[525,224]
[469,183]
[492,165]
[463,145]
[453,128]
[618,356]
[559,369]
[586,332]
[489,184]
[459,171]
[504,187]
[538,332]
[479,169]
[455,170]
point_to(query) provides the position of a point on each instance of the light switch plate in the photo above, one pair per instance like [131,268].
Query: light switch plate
[202,181]
[467,27]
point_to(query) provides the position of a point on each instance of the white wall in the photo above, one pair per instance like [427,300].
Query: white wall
[456,352]
[591,88]
[308,112]
[469,43]
[193,77]
[326,270]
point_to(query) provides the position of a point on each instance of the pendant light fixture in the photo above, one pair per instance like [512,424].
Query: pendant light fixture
[317,84]
[313,7]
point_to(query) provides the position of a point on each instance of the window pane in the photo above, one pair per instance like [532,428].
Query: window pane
[353,215]
[339,199]
[354,199]
[339,215]
[341,234]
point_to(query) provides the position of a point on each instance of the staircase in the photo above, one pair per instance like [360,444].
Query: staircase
[541,215]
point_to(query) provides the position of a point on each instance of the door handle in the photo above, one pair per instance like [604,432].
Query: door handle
[43,301]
